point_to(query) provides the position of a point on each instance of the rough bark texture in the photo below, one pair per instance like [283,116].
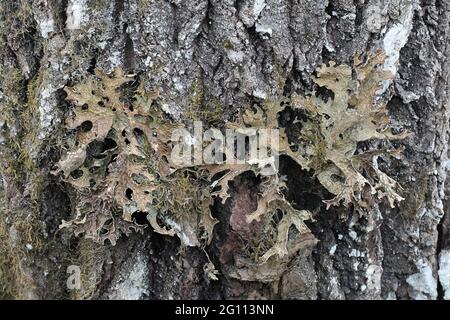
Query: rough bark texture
[239,51]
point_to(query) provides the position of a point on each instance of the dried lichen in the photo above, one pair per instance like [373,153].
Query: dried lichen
[335,127]
[120,163]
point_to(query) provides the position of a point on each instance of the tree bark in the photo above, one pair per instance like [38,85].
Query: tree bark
[238,51]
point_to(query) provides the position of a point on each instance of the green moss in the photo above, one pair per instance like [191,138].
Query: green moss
[10,267]
[227,44]
[202,108]
[16,18]
[21,115]
[19,216]
[21,230]
[89,256]
[98,5]
[11,107]
[142,7]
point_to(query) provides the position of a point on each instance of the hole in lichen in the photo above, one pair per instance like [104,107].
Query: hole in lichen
[276,217]
[140,218]
[96,149]
[293,121]
[217,188]
[86,126]
[129,194]
[324,93]
[303,189]
[76,174]
[139,134]
[110,144]
[95,170]
[101,103]
[219,175]
[294,148]
[337,178]
[99,156]
[85,106]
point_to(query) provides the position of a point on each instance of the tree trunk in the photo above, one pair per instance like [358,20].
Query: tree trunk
[223,56]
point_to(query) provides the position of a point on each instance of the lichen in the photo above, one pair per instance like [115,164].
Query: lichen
[76,14]
[119,162]
[335,127]
[120,166]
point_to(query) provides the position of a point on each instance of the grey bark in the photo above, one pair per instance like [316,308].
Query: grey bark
[239,50]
